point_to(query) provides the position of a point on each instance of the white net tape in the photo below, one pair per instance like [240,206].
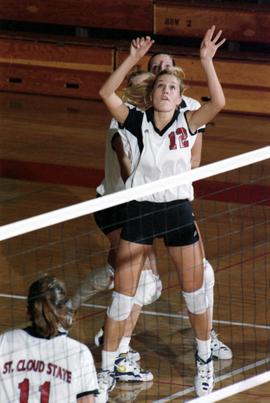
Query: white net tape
[84,208]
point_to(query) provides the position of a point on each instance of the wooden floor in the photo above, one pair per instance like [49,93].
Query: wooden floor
[51,153]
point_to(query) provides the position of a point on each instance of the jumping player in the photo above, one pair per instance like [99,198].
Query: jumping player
[164,134]
[41,363]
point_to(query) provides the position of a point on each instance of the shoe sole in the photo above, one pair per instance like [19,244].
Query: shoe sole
[130,378]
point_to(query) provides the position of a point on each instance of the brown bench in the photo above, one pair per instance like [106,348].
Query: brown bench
[103,14]
[239,22]
[54,68]
[246,83]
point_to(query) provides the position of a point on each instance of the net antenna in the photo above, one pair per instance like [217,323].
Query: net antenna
[81,209]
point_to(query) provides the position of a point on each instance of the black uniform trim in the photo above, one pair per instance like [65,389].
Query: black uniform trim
[133,124]
[32,331]
[89,392]
[183,104]
[150,118]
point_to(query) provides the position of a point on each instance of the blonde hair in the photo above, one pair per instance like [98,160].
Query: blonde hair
[46,306]
[139,94]
[176,72]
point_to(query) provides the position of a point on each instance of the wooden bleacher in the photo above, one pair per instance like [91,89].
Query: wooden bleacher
[129,15]
[53,67]
[239,22]
[76,67]
[246,84]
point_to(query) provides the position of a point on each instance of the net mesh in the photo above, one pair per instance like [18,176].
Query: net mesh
[232,209]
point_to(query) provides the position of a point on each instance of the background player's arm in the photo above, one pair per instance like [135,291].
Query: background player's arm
[138,48]
[123,160]
[196,151]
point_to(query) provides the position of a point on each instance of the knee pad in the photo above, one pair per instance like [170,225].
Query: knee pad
[209,282]
[149,288]
[196,301]
[121,306]
[103,278]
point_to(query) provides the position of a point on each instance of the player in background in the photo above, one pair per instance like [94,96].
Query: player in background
[121,158]
[41,363]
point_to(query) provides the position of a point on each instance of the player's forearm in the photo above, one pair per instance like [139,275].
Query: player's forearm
[217,98]
[117,77]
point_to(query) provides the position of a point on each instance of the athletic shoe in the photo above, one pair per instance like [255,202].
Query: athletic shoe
[133,355]
[219,350]
[106,383]
[129,371]
[204,380]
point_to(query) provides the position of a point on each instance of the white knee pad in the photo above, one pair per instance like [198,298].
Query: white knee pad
[149,288]
[121,306]
[103,278]
[196,301]
[209,282]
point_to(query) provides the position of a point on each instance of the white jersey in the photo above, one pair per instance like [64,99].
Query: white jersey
[163,152]
[34,370]
[191,104]
[113,181]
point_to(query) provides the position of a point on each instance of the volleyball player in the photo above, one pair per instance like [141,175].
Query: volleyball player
[41,363]
[158,62]
[163,134]
[121,157]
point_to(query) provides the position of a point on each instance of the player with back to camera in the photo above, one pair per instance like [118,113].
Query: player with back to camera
[42,363]
[162,154]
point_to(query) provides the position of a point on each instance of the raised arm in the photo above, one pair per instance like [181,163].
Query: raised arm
[208,111]
[138,48]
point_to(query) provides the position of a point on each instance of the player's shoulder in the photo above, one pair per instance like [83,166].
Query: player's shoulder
[190,103]
[79,348]
[12,335]
[77,344]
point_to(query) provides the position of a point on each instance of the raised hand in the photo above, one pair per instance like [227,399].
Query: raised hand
[210,44]
[140,46]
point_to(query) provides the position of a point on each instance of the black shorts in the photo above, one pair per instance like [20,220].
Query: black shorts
[172,221]
[111,218]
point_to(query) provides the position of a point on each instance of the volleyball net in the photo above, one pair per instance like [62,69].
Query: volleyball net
[232,209]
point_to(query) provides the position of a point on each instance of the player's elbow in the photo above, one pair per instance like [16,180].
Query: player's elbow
[102,93]
[220,102]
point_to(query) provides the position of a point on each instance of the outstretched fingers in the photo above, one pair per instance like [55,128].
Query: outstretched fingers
[140,46]
[216,38]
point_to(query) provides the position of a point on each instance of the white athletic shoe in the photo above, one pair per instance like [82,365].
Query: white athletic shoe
[129,371]
[204,380]
[219,350]
[133,355]
[106,383]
